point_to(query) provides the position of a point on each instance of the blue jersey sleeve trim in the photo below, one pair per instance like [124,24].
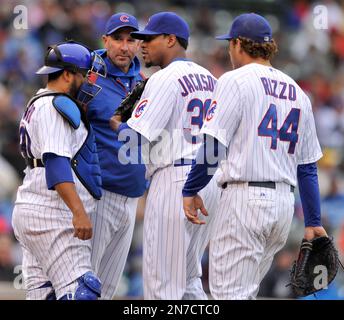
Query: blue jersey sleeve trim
[309,192]
[132,143]
[207,160]
[57,170]
[68,109]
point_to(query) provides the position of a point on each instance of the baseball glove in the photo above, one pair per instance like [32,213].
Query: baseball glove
[316,266]
[127,105]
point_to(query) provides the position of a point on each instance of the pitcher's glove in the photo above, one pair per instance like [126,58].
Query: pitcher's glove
[127,105]
[315,268]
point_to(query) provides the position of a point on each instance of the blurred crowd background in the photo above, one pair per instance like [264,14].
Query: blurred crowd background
[313,57]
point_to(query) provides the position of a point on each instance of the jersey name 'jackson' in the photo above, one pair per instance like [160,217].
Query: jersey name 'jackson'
[196,82]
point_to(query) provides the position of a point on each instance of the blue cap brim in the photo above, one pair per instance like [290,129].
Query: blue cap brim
[223,37]
[142,34]
[47,70]
[121,26]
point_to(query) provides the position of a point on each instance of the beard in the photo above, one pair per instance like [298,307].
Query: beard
[153,61]
[122,62]
[74,89]
[148,64]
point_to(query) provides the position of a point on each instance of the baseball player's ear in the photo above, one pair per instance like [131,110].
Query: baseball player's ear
[238,44]
[172,39]
[68,76]
[65,75]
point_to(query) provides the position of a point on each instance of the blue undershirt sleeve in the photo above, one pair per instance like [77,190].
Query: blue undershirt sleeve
[57,170]
[123,126]
[207,160]
[132,142]
[309,192]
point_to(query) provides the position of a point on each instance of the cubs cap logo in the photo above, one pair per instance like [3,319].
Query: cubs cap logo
[124,18]
[211,111]
[140,108]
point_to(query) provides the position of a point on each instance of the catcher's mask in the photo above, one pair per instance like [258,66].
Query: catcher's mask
[76,58]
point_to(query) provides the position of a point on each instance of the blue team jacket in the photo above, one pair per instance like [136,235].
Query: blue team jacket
[127,180]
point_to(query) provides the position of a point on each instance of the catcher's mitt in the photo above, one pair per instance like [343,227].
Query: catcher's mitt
[316,266]
[127,105]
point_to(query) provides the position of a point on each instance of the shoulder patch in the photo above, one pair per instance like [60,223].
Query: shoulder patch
[141,107]
[68,109]
[211,111]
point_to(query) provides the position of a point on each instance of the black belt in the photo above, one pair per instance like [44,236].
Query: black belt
[34,163]
[262,184]
[183,162]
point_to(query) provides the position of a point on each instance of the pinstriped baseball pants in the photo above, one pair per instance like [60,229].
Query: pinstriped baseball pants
[252,224]
[50,250]
[113,224]
[173,246]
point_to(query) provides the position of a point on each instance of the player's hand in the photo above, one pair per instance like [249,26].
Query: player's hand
[314,232]
[82,226]
[115,122]
[191,206]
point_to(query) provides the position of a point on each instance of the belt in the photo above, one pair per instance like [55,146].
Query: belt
[183,162]
[262,184]
[34,163]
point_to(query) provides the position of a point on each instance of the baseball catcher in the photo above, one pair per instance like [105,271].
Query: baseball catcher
[126,107]
[318,257]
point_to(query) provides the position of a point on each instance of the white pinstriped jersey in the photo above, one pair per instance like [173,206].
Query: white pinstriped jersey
[175,100]
[266,121]
[44,130]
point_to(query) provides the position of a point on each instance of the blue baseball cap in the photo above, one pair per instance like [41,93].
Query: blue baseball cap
[68,55]
[120,20]
[251,26]
[164,23]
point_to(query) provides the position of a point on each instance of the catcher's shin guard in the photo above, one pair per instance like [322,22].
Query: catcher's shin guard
[89,288]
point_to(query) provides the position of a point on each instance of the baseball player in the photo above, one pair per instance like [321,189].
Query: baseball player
[261,123]
[123,183]
[171,108]
[62,179]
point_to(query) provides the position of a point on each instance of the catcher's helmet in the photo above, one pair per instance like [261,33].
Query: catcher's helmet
[76,57]
[70,56]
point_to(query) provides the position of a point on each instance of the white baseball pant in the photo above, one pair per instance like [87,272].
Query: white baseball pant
[252,224]
[50,250]
[173,246]
[113,224]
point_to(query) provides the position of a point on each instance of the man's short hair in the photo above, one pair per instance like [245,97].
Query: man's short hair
[55,75]
[184,43]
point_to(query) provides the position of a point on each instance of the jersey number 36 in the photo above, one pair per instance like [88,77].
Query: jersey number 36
[197,118]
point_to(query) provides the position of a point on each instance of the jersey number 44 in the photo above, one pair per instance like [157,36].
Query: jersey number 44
[287,132]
